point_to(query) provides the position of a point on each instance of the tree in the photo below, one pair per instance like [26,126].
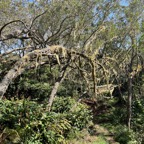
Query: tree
[92,40]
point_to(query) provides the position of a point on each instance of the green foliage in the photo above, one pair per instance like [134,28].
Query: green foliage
[77,113]
[125,136]
[116,123]
[103,30]
[9,135]
[138,111]
[119,115]
[28,121]
[32,84]
[62,104]
[138,118]
[112,111]
[80,117]
[100,140]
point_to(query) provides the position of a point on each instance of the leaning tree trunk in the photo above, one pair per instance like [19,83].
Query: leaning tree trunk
[59,80]
[12,74]
[26,63]
[9,77]
[19,67]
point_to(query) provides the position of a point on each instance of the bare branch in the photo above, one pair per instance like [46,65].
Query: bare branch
[1,29]
[59,29]
[36,18]
[17,49]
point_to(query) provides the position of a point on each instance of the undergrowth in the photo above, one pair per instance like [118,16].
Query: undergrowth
[24,121]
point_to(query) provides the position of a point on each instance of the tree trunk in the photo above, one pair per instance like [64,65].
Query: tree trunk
[130,77]
[60,79]
[9,77]
[18,69]
[25,63]
[129,107]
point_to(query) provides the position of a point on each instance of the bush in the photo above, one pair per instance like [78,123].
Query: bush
[125,136]
[77,113]
[29,122]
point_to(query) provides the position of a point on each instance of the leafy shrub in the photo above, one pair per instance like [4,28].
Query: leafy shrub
[138,119]
[28,121]
[119,115]
[77,113]
[125,136]
[62,104]
[80,117]
[33,84]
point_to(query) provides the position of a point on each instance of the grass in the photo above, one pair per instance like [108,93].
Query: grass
[89,140]
[100,136]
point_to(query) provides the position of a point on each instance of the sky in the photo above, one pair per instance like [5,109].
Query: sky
[124,2]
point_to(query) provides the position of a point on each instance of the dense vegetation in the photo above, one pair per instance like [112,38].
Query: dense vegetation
[71,71]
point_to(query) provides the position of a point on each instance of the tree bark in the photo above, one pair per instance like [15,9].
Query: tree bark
[9,77]
[18,69]
[13,74]
[59,80]
[23,64]
[129,106]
